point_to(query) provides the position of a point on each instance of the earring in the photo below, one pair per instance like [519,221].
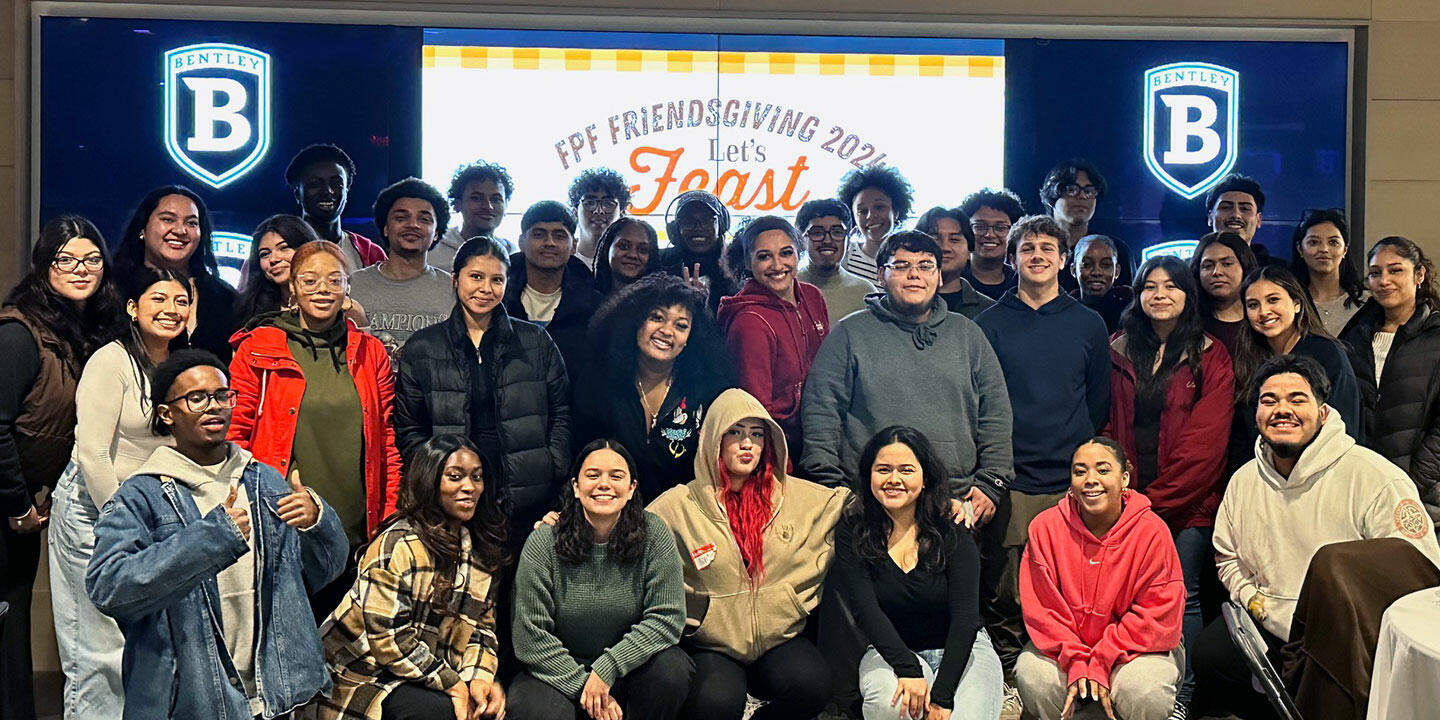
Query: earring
[347,305]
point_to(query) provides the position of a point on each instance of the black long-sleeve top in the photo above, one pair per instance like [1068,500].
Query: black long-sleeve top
[21,359]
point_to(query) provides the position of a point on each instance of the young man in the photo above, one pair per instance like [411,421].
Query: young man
[598,197]
[479,192]
[1096,262]
[952,231]
[1308,486]
[879,198]
[404,293]
[697,238]
[991,214]
[208,586]
[1236,204]
[320,177]
[1056,358]
[1071,192]
[906,360]
[551,287]
[826,226]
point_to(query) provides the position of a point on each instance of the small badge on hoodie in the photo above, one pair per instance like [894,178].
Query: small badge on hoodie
[1411,520]
[703,556]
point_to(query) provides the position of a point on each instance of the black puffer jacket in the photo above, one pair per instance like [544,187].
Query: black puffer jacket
[532,404]
[1402,409]
[578,300]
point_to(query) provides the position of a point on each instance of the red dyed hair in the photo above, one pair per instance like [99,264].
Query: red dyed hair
[748,510]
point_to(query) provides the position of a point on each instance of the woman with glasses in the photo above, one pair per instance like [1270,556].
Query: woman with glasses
[316,396]
[112,440]
[1319,260]
[628,250]
[775,324]
[61,311]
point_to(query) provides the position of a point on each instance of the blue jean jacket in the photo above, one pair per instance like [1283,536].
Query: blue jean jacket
[154,571]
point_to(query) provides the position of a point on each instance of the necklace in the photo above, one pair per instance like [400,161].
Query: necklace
[651,417]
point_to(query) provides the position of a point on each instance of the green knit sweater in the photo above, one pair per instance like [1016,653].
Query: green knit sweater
[601,614]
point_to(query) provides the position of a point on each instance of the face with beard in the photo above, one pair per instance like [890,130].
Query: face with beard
[1289,415]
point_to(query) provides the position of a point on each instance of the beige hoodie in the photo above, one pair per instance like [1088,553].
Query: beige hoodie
[725,612]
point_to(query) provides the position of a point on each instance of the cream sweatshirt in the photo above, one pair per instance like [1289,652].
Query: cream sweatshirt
[112,422]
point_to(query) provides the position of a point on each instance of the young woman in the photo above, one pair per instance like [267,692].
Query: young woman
[666,362]
[775,324]
[171,229]
[1219,266]
[1281,319]
[599,603]
[112,440]
[759,543]
[415,636]
[1319,260]
[498,381]
[1103,596]
[1394,341]
[316,397]
[912,580]
[61,311]
[1172,399]
[628,250]
[266,285]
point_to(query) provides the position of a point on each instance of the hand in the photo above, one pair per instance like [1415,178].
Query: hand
[1076,688]
[935,712]
[298,509]
[31,522]
[694,279]
[239,515]
[911,694]
[984,508]
[1104,693]
[1256,607]
[460,699]
[550,519]
[595,698]
[487,700]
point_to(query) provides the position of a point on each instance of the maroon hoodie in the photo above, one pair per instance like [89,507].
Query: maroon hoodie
[773,344]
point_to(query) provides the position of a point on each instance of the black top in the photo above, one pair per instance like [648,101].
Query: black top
[484,430]
[1109,305]
[676,258]
[1012,280]
[21,359]
[901,613]
[215,322]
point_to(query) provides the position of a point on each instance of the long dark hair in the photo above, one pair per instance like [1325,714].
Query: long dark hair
[574,536]
[80,330]
[1251,348]
[1186,343]
[615,325]
[419,504]
[260,294]
[136,286]
[1350,281]
[1243,254]
[736,259]
[932,508]
[1429,291]
[131,252]
[604,276]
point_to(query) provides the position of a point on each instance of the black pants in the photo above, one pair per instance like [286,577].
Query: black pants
[654,691]
[1000,612]
[324,601]
[416,702]
[793,679]
[1222,677]
[19,559]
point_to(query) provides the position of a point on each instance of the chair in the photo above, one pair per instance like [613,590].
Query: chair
[1247,638]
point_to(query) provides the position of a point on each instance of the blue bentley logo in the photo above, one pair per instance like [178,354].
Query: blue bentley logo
[217,109]
[1192,123]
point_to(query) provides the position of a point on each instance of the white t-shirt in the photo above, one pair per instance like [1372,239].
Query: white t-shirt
[1381,346]
[540,307]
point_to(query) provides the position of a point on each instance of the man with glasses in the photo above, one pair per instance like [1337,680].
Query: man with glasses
[598,197]
[991,214]
[1071,192]
[404,293]
[826,225]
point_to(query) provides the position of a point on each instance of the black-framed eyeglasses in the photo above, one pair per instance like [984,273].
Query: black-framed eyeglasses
[198,401]
[68,263]
[1088,192]
[984,228]
[835,233]
[601,204]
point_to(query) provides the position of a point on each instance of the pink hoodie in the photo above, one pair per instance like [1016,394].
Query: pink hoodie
[1094,603]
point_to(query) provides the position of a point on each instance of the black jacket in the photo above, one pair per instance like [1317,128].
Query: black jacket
[532,405]
[578,301]
[1402,409]
[676,259]
[216,321]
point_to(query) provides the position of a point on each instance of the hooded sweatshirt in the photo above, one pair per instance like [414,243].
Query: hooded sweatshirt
[773,343]
[209,486]
[1093,604]
[1269,526]
[725,611]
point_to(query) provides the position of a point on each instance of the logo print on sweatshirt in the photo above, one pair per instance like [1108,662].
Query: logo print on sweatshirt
[1192,124]
[1411,520]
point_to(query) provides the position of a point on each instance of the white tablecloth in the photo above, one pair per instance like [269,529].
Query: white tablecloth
[1406,681]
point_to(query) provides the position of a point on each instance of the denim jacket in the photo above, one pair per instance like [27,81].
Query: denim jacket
[154,568]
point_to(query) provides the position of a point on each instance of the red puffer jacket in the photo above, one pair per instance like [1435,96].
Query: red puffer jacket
[270,387]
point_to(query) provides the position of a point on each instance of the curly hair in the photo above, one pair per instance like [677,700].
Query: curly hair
[574,536]
[884,178]
[824,207]
[735,262]
[412,187]
[80,330]
[1066,173]
[600,179]
[478,171]
[1350,281]
[615,325]
[1002,200]
[932,508]
[604,276]
[162,378]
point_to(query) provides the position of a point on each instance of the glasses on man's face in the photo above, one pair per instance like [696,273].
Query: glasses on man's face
[818,233]
[984,228]
[1088,192]
[601,204]
[68,263]
[903,268]
[198,401]
[311,284]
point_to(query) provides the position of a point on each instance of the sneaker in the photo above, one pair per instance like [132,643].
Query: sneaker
[1011,707]
[1180,712]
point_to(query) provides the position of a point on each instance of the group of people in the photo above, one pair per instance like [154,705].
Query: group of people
[983,462]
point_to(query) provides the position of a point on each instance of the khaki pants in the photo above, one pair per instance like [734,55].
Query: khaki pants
[1142,689]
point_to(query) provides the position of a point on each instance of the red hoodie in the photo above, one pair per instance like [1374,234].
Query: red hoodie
[1092,603]
[773,344]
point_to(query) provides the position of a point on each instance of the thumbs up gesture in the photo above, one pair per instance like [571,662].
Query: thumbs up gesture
[298,509]
[239,515]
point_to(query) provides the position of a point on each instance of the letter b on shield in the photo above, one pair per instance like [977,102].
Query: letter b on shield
[1192,122]
[217,110]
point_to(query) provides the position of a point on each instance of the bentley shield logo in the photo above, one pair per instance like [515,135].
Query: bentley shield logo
[217,109]
[1192,122]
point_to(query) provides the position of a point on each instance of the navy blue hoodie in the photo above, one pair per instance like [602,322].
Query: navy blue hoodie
[1056,362]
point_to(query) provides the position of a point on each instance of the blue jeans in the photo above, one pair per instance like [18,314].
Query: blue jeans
[979,694]
[90,643]
[1197,552]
